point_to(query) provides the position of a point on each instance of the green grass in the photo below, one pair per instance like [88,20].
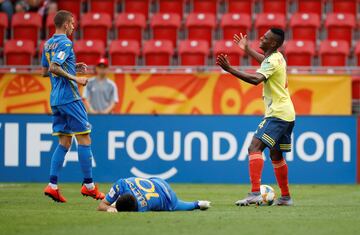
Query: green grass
[320,209]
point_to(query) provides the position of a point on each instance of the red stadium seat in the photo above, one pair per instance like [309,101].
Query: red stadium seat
[265,21]
[205,6]
[40,49]
[256,46]
[310,6]
[103,6]
[344,6]
[26,26]
[340,26]
[299,53]
[200,26]
[165,26]
[89,51]
[137,6]
[50,25]
[158,52]
[357,52]
[305,26]
[333,53]
[356,88]
[231,49]
[130,26]
[123,52]
[73,6]
[172,6]
[95,26]
[19,52]
[3,27]
[275,6]
[193,52]
[235,24]
[240,6]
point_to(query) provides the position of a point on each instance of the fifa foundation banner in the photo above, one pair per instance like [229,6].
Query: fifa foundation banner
[191,149]
[195,93]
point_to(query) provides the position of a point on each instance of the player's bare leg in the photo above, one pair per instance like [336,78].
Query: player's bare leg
[256,163]
[281,173]
[85,159]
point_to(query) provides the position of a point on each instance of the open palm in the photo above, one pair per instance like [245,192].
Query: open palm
[241,41]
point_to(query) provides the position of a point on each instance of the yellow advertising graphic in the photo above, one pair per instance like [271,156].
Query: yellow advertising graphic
[199,93]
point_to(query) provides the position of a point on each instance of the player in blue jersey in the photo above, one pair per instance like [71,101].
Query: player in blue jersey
[69,114]
[139,194]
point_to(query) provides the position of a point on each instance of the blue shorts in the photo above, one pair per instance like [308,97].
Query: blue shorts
[70,119]
[275,133]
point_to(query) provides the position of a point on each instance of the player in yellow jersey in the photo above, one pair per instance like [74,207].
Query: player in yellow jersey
[275,130]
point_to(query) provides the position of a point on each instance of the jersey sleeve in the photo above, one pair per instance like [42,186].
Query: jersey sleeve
[268,67]
[114,193]
[62,52]
[44,59]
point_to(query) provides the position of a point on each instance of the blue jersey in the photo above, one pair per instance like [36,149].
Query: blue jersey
[59,50]
[152,194]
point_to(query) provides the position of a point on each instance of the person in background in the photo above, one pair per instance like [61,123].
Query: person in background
[7,7]
[101,94]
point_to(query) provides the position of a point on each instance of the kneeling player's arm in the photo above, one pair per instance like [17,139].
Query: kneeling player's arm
[105,206]
[254,79]
[57,70]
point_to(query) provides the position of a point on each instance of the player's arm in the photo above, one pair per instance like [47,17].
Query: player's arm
[61,53]
[242,42]
[44,63]
[110,198]
[254,79]
[106,206]
[57,70]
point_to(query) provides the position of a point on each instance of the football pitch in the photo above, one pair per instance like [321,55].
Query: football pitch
[319,209]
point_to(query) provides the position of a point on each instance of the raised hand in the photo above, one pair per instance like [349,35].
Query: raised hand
[241,41]
[81,67]
[223,62]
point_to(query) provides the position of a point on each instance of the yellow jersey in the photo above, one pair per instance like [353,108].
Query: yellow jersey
[275,92]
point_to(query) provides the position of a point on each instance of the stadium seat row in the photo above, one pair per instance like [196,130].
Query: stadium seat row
[199,26]
[211,6]
[189,53]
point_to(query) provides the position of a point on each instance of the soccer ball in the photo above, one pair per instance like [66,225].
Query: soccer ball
[268,194]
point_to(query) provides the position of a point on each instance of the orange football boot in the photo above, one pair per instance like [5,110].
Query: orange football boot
[54,194]
[94,193]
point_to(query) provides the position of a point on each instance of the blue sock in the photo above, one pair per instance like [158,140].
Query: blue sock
[85,159]
[186,206]
[57,161]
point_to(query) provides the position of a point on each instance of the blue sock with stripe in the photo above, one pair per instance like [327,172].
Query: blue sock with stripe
[85,160]
[57,161]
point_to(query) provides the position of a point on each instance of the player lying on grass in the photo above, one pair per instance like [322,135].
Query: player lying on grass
[139,194]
